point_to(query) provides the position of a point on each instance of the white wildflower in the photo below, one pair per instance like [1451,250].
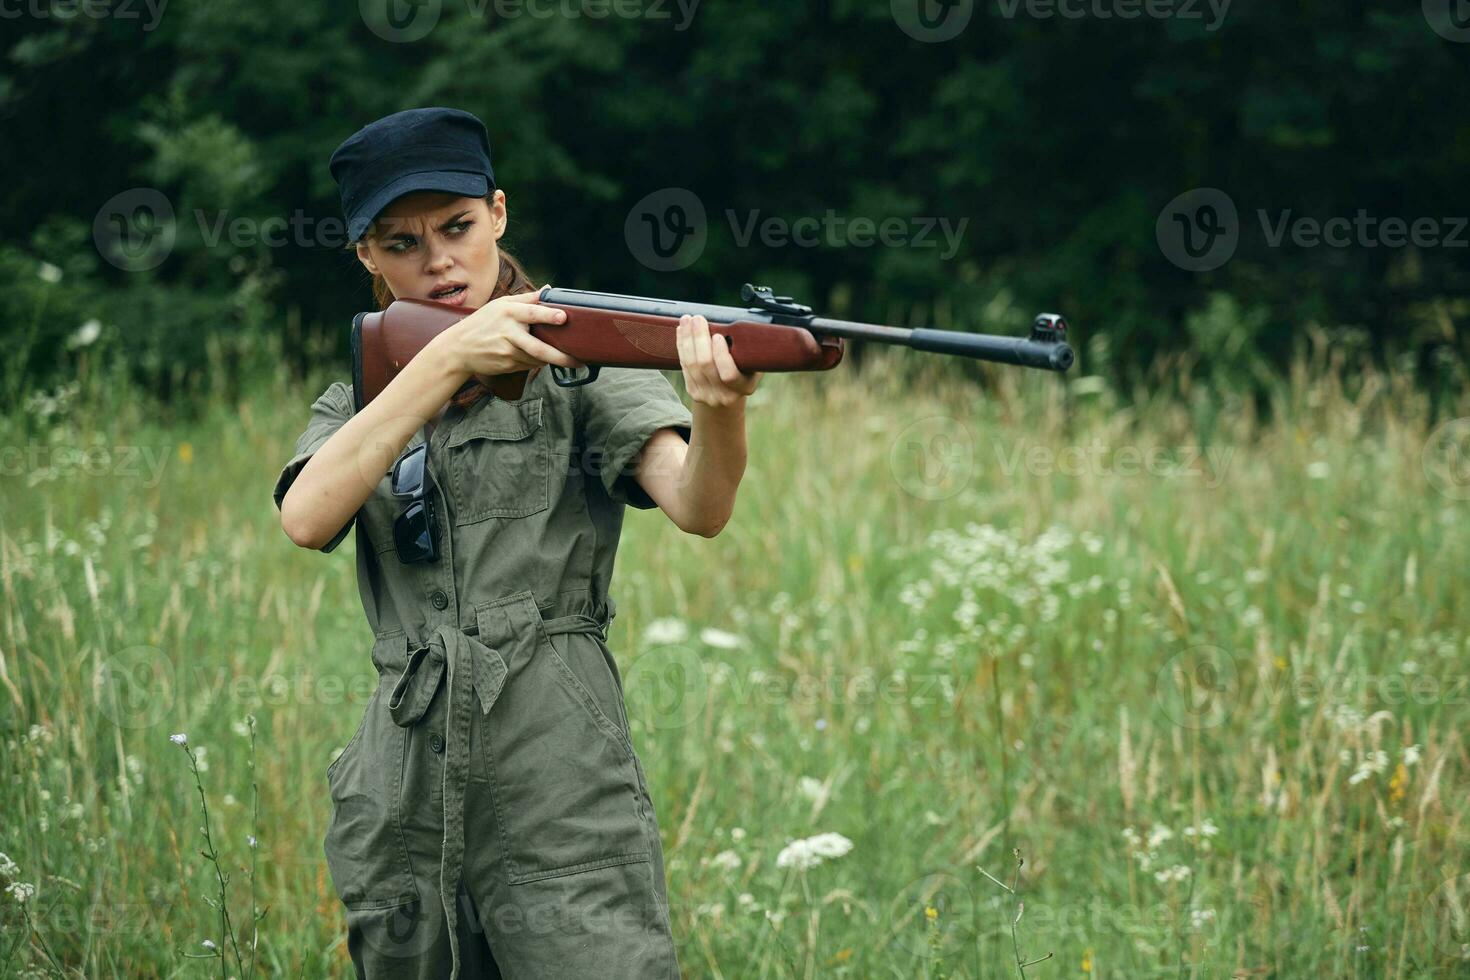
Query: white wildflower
[719,638]
[666,630]
[48,273]
[1411,755]
[812,851]
[1177,873]
[8,868]
[1319,470]
[810,788]
[745,900]
[179,739]
[21,891]
[725,860]
[85,335]
[208,944]
[737,833]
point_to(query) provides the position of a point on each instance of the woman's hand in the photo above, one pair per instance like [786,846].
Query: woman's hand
[710,373]
[496,338]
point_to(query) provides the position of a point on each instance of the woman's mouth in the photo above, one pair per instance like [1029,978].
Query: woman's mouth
[453,293]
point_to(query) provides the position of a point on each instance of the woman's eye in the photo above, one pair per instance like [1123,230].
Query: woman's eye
[400,246]
[459,226]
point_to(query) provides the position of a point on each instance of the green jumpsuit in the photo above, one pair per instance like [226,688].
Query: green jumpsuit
[490,816]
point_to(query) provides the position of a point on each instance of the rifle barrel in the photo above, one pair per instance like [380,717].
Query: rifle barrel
[1053,356]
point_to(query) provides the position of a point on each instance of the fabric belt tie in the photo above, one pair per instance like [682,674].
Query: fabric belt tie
[470,665]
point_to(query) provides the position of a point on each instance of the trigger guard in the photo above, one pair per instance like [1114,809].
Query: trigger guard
[569,378]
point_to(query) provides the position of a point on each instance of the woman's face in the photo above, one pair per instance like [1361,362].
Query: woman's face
[432,245]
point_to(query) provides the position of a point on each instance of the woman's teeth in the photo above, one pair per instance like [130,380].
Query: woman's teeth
[449,293]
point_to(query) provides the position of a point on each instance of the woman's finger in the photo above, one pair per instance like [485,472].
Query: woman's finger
[535,313]
[699,332]
[730,372]
[542,351]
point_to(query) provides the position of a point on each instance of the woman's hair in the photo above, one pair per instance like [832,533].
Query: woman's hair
[513,279]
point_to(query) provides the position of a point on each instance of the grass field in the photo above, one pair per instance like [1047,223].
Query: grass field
[1203,666]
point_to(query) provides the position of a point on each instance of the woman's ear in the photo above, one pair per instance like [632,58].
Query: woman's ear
[498,218]
[365,256]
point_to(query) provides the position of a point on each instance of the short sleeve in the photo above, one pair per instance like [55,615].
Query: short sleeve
[332,408]
[619,412]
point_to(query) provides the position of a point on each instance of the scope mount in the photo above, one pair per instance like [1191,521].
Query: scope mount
[783,307]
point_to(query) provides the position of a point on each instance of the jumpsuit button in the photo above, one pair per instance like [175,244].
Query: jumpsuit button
[439,599]
[436,742]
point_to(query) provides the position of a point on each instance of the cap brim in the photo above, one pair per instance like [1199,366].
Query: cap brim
[448,181]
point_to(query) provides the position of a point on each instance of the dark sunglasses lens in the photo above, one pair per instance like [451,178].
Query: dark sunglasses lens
[413,534]
[408,475]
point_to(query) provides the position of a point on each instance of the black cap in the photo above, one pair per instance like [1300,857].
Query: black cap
[415,150]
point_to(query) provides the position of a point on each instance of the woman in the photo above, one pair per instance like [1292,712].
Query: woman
[490,816]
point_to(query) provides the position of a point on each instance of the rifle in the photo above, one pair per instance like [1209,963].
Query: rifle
[772,333]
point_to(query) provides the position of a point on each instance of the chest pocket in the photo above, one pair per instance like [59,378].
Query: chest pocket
[500,461]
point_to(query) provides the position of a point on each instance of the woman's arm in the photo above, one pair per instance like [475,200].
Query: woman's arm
[695,483]
[341,475]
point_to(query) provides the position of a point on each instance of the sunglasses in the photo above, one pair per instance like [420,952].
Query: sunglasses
[415,530]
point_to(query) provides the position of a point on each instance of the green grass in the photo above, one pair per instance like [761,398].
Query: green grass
[961,630]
